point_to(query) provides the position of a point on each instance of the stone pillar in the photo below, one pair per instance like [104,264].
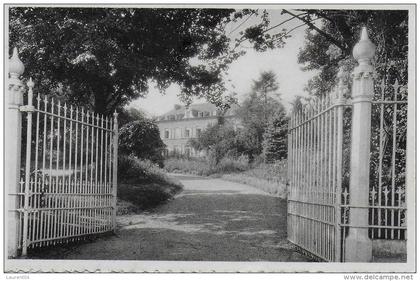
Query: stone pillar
[13,127]
[358,244]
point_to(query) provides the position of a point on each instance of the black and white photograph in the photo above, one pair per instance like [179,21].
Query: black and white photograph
[210,138]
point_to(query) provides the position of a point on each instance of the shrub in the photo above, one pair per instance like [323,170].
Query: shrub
[276,188]
[202,167]
[143,184]
[145,196]
[195,166]
[231,165]
[141,138]
[218,141]
[270,178]
[276,171]
[133,171]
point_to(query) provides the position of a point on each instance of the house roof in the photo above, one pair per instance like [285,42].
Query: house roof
[200,107]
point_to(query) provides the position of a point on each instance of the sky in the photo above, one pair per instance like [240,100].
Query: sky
[282,61]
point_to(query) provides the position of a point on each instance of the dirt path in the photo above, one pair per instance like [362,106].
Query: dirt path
[211,220]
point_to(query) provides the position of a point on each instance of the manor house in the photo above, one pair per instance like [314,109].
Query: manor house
[181,124]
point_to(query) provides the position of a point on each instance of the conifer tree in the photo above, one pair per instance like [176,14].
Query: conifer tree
[275,138]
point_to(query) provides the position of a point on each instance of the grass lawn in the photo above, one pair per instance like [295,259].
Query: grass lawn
[271,178]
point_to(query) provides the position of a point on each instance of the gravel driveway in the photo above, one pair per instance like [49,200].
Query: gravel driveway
[211,220]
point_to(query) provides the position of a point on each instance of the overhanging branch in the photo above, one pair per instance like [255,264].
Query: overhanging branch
[312,26]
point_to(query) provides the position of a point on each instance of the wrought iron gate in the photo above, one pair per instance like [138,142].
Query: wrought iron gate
[315,183]
[346,166]
[69,180]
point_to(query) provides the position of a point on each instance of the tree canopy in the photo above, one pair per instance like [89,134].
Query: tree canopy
[103,58]
[330,37]
[329,46]
[263,126]
[218,141]
[130,114]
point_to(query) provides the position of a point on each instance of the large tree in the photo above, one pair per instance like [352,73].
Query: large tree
[217,141]
[103,58]
[330,38]
[255,111]
[329,44]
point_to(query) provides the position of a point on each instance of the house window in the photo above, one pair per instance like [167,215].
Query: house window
[200,114]
[198,131]
[187,133]
[166,134]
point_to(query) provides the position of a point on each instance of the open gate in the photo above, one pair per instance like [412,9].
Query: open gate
[346,166]
[69,185]
[315,176]
[68,177]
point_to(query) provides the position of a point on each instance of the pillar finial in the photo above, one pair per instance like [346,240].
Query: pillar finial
[364,34]
[341,87]
[16,67]
[30,83]
[364,50]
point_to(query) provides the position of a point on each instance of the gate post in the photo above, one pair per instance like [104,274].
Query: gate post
[358,245]
[12,151]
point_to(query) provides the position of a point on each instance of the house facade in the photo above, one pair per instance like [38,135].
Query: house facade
[181,124]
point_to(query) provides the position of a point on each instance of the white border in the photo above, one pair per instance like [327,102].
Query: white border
[180,266]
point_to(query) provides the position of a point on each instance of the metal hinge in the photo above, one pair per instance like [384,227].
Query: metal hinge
[27,108]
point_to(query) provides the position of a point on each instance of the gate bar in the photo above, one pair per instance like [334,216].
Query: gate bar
[115,170]
[29,108]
